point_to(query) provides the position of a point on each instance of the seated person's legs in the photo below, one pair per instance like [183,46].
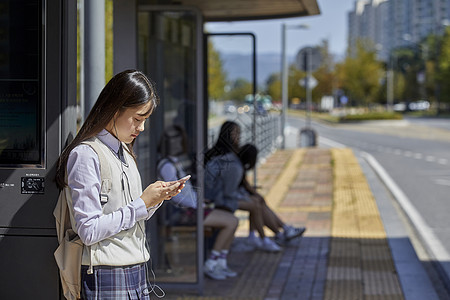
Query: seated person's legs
[248,155]
[256,209]
[216,265]
[274,223]
[227,223]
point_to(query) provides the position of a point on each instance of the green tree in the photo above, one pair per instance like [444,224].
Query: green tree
[399,86]
[295,90]
[239,89]
[325,74]
[273,87]
[217,78]
[443,74]
[360,76]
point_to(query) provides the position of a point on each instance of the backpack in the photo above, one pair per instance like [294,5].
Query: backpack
[69,253]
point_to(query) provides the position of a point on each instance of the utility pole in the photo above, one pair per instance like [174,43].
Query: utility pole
[284,78]
[94,51]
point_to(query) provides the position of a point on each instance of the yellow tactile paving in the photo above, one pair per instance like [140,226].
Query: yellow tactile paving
[304,209]
[352,195]
[281,186]
[359,253]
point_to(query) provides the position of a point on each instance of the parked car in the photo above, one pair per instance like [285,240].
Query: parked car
[262,101]
[419,105]
[229,107]
[400,107]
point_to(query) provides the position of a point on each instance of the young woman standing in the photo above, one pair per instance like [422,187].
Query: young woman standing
[109,216]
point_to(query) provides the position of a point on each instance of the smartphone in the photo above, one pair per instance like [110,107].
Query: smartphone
[185,178]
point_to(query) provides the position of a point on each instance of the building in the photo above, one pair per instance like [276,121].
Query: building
[367,23]
[389,24]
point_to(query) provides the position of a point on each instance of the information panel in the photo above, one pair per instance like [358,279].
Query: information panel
[21,100]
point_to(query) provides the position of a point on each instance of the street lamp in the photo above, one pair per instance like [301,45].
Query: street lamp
[284,76]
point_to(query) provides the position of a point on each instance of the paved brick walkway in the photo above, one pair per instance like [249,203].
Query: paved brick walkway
[343,254]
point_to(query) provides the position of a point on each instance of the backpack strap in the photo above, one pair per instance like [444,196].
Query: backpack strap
[162,162]
[105,169]
[106,179]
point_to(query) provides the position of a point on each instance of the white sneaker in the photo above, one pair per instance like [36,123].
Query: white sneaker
[214,271]
[254,241]
[293,232]
[270,246]
[222,263]
[228,272]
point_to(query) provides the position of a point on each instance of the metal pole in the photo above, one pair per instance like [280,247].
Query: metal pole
[254,103]
[390,86]
[82,90]
[284,84]
[94,51]
[308,87]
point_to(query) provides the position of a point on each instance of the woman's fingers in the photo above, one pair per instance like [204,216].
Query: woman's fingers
[172,190]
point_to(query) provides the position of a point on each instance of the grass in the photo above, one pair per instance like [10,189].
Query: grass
[357,116]
[370,116]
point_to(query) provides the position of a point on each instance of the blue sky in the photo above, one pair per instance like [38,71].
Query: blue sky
[331,24]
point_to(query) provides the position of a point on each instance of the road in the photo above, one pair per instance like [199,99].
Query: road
[415,153]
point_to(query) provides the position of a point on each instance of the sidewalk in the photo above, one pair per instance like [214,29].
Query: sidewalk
[344,253]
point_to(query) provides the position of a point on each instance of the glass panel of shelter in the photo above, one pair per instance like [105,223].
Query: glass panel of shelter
[230,94]
[167,54]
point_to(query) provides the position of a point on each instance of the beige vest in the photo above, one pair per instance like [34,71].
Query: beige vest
[128,246]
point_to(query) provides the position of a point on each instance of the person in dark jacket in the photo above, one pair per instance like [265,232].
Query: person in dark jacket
[283,233]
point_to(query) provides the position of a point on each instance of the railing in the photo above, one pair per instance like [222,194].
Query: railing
[267,131]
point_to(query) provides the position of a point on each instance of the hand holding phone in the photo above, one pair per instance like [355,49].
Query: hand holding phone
[159,191]
[184,179]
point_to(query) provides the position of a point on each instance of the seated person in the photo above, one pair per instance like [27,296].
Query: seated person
[223,175]
[248,156]
[172,146]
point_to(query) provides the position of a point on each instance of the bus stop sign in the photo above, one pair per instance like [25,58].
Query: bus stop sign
[315,59]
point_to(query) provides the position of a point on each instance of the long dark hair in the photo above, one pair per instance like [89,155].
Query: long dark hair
[248,155]
[125,90]
[227,141]
[173,141]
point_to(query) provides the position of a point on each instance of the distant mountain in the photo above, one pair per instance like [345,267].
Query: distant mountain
[240,65]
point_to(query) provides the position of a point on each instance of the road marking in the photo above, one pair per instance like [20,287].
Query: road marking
[430,158]
[442,181]
[418,155]
[331,143]
[437,250]
[398,151]
[442,161]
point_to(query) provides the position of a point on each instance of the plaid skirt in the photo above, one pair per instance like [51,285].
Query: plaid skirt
[106,282]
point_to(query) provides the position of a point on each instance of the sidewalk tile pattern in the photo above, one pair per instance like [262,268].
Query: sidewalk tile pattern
[360,263]
[343,254]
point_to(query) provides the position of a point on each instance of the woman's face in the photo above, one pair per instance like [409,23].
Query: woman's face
[130,123]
